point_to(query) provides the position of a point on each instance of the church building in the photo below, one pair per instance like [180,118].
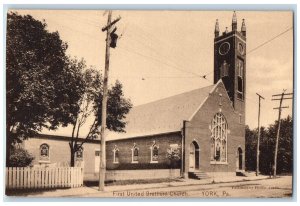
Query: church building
[206,125]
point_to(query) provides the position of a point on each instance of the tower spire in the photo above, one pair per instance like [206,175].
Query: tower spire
[234,22]
[243,29]
[217,29]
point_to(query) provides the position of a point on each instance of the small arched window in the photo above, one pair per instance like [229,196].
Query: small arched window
[135,154]
[219,131]
[79,154]
[44,152]
[116,155]
[224,69]
[154,152]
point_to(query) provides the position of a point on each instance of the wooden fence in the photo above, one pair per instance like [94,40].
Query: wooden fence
[43,177]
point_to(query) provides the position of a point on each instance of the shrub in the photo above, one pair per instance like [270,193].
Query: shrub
[20,158]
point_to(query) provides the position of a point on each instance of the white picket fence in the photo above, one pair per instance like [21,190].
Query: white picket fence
[43,177]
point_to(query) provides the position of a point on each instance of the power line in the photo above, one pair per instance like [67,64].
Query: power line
[268,41]
[160,42]
[159,61]
[283,97]
[147,36]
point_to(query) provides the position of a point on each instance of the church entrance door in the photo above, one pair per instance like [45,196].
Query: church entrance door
[194,156]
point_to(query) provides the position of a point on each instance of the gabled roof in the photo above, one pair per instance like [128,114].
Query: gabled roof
[162,116]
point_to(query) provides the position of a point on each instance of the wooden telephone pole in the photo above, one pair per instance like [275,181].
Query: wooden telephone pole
[282,97]
[258,136]
[102,169]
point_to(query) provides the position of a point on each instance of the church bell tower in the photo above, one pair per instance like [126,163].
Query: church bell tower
[230,62]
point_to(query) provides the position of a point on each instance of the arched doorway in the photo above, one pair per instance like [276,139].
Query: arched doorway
[240,158]
[194,156]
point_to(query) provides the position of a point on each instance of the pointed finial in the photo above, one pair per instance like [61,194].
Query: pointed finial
[243,29]
[234,22]
[226,30]
[217,29]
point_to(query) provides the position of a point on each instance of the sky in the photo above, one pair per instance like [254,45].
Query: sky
[159,52]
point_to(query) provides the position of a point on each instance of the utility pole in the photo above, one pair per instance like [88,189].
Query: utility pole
[102,169]
[282,97]
[258,136]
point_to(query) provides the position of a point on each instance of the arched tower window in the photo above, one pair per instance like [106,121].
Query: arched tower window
[219,131]
[224,69]
[134,154]
[240,78]
[154,152]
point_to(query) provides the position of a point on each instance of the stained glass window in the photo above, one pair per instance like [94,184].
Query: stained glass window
[219,131]
[154,152]
[135,153]
[116,154]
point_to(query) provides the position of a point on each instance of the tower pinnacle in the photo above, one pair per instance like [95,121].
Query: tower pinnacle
[243,29]
[217,29]
[234,22]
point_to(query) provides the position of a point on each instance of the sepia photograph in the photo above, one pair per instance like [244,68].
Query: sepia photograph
[149,103]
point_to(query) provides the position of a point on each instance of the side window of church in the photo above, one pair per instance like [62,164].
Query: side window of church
[116,154]
[219,131]
[79,154]
[44,152]
[135,153]
[240,71]
[154,153]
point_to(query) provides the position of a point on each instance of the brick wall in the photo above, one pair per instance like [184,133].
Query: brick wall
[198,129]
[144,159]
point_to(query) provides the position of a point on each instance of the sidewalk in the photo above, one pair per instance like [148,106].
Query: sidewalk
[82,191]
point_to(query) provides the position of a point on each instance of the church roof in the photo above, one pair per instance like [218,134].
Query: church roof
[162,116]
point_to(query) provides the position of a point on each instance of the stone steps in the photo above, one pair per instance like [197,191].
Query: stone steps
[198,175]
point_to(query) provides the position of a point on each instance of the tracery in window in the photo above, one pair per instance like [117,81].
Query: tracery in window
[219,131]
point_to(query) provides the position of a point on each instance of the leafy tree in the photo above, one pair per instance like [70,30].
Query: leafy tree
[90,104]
[250,148]
[20,158]
[285,147]
[267,147]
[41,87]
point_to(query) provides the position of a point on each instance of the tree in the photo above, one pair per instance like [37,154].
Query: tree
[250,147]
[41,87]
[267,147]
[90,104]
[285,147]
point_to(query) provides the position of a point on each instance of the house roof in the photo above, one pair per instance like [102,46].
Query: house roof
[162,116]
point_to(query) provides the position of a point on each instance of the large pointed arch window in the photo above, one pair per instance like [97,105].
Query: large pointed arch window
[218,141]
